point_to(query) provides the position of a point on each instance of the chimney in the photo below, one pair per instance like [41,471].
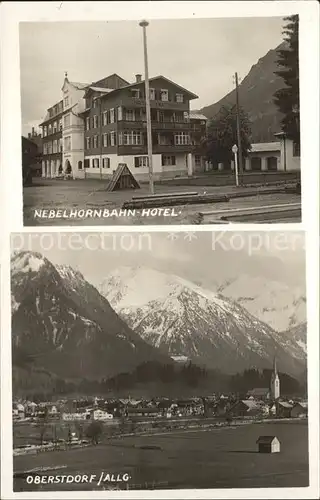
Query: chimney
[33,134]
[138,78]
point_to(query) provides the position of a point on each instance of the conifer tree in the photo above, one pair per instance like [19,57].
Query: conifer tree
[287,98]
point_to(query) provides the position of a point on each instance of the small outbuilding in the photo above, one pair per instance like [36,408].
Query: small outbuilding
[268,444]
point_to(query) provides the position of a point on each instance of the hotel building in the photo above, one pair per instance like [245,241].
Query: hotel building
[97,126]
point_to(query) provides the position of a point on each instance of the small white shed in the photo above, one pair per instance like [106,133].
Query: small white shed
[268,444]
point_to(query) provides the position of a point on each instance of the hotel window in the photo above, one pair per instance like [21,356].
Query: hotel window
[55,127]
[55,147]
[112,115]
[95,103]
[164,140]
[168,160]
[132,138]
[51,113]
[60,125]
[87,142]
[179,97]
[152,94]
[66,102]
[120,139]
[140,161]
[60,146]
[164,95]
[296,148]
[105,162]
[112,139]
[66,121]
[88,123]
[119,113]
[95,121]
[197,160]
[130,115]
[186,116]
[95,163]
[105,140]
[45,148]
[181,139]
[86,163]
[45,131]
[95,141]
[67,143]
[50,129]
[136,93]
[105,118]
[49,148]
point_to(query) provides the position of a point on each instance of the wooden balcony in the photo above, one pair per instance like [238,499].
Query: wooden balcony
[156,149]
[135,102]
[155,125]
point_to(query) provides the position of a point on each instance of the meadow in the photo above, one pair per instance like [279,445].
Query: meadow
[201,458]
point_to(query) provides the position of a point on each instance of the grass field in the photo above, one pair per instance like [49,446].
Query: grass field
[217,458]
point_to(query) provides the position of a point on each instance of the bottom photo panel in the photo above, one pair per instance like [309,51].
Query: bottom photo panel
[156,360]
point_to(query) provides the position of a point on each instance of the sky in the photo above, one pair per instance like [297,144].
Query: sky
[201,55]
[205,258]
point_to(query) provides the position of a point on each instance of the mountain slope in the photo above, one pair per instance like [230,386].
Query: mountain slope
[61,323]
[275,303]
[256,93]
[296,337]
[181,318]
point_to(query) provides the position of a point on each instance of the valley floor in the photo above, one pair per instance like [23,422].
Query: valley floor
[215,458]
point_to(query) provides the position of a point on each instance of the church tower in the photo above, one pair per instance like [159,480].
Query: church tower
[275,382]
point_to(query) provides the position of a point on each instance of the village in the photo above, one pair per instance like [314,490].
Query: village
[256,403]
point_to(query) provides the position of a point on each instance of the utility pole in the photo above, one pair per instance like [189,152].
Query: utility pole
[144,25]
[238,125]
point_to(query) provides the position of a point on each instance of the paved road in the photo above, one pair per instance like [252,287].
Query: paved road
[92,195]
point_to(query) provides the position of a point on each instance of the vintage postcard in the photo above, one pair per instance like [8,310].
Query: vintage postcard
[159,361]
[178,121]
[145,351]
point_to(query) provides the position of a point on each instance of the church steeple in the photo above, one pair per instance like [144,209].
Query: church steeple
[275,371]
[275,382]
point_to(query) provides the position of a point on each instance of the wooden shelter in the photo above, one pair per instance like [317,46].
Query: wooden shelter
[268,444]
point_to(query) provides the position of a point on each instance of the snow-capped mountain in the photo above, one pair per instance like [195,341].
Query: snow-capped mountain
[296,338]
[62,323]
[183,319]
[277,304]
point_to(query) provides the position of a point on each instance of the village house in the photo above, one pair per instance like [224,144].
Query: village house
[299,410]
[76,416]
[284,409]
[18,411]
[143,412]
[101,415]
[248,408]
[262,393]
[279,155]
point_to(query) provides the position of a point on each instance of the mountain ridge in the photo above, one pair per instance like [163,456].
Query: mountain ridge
[182,319]
[256,92]
[66,326]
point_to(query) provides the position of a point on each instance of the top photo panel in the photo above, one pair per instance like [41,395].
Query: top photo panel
[161,122]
